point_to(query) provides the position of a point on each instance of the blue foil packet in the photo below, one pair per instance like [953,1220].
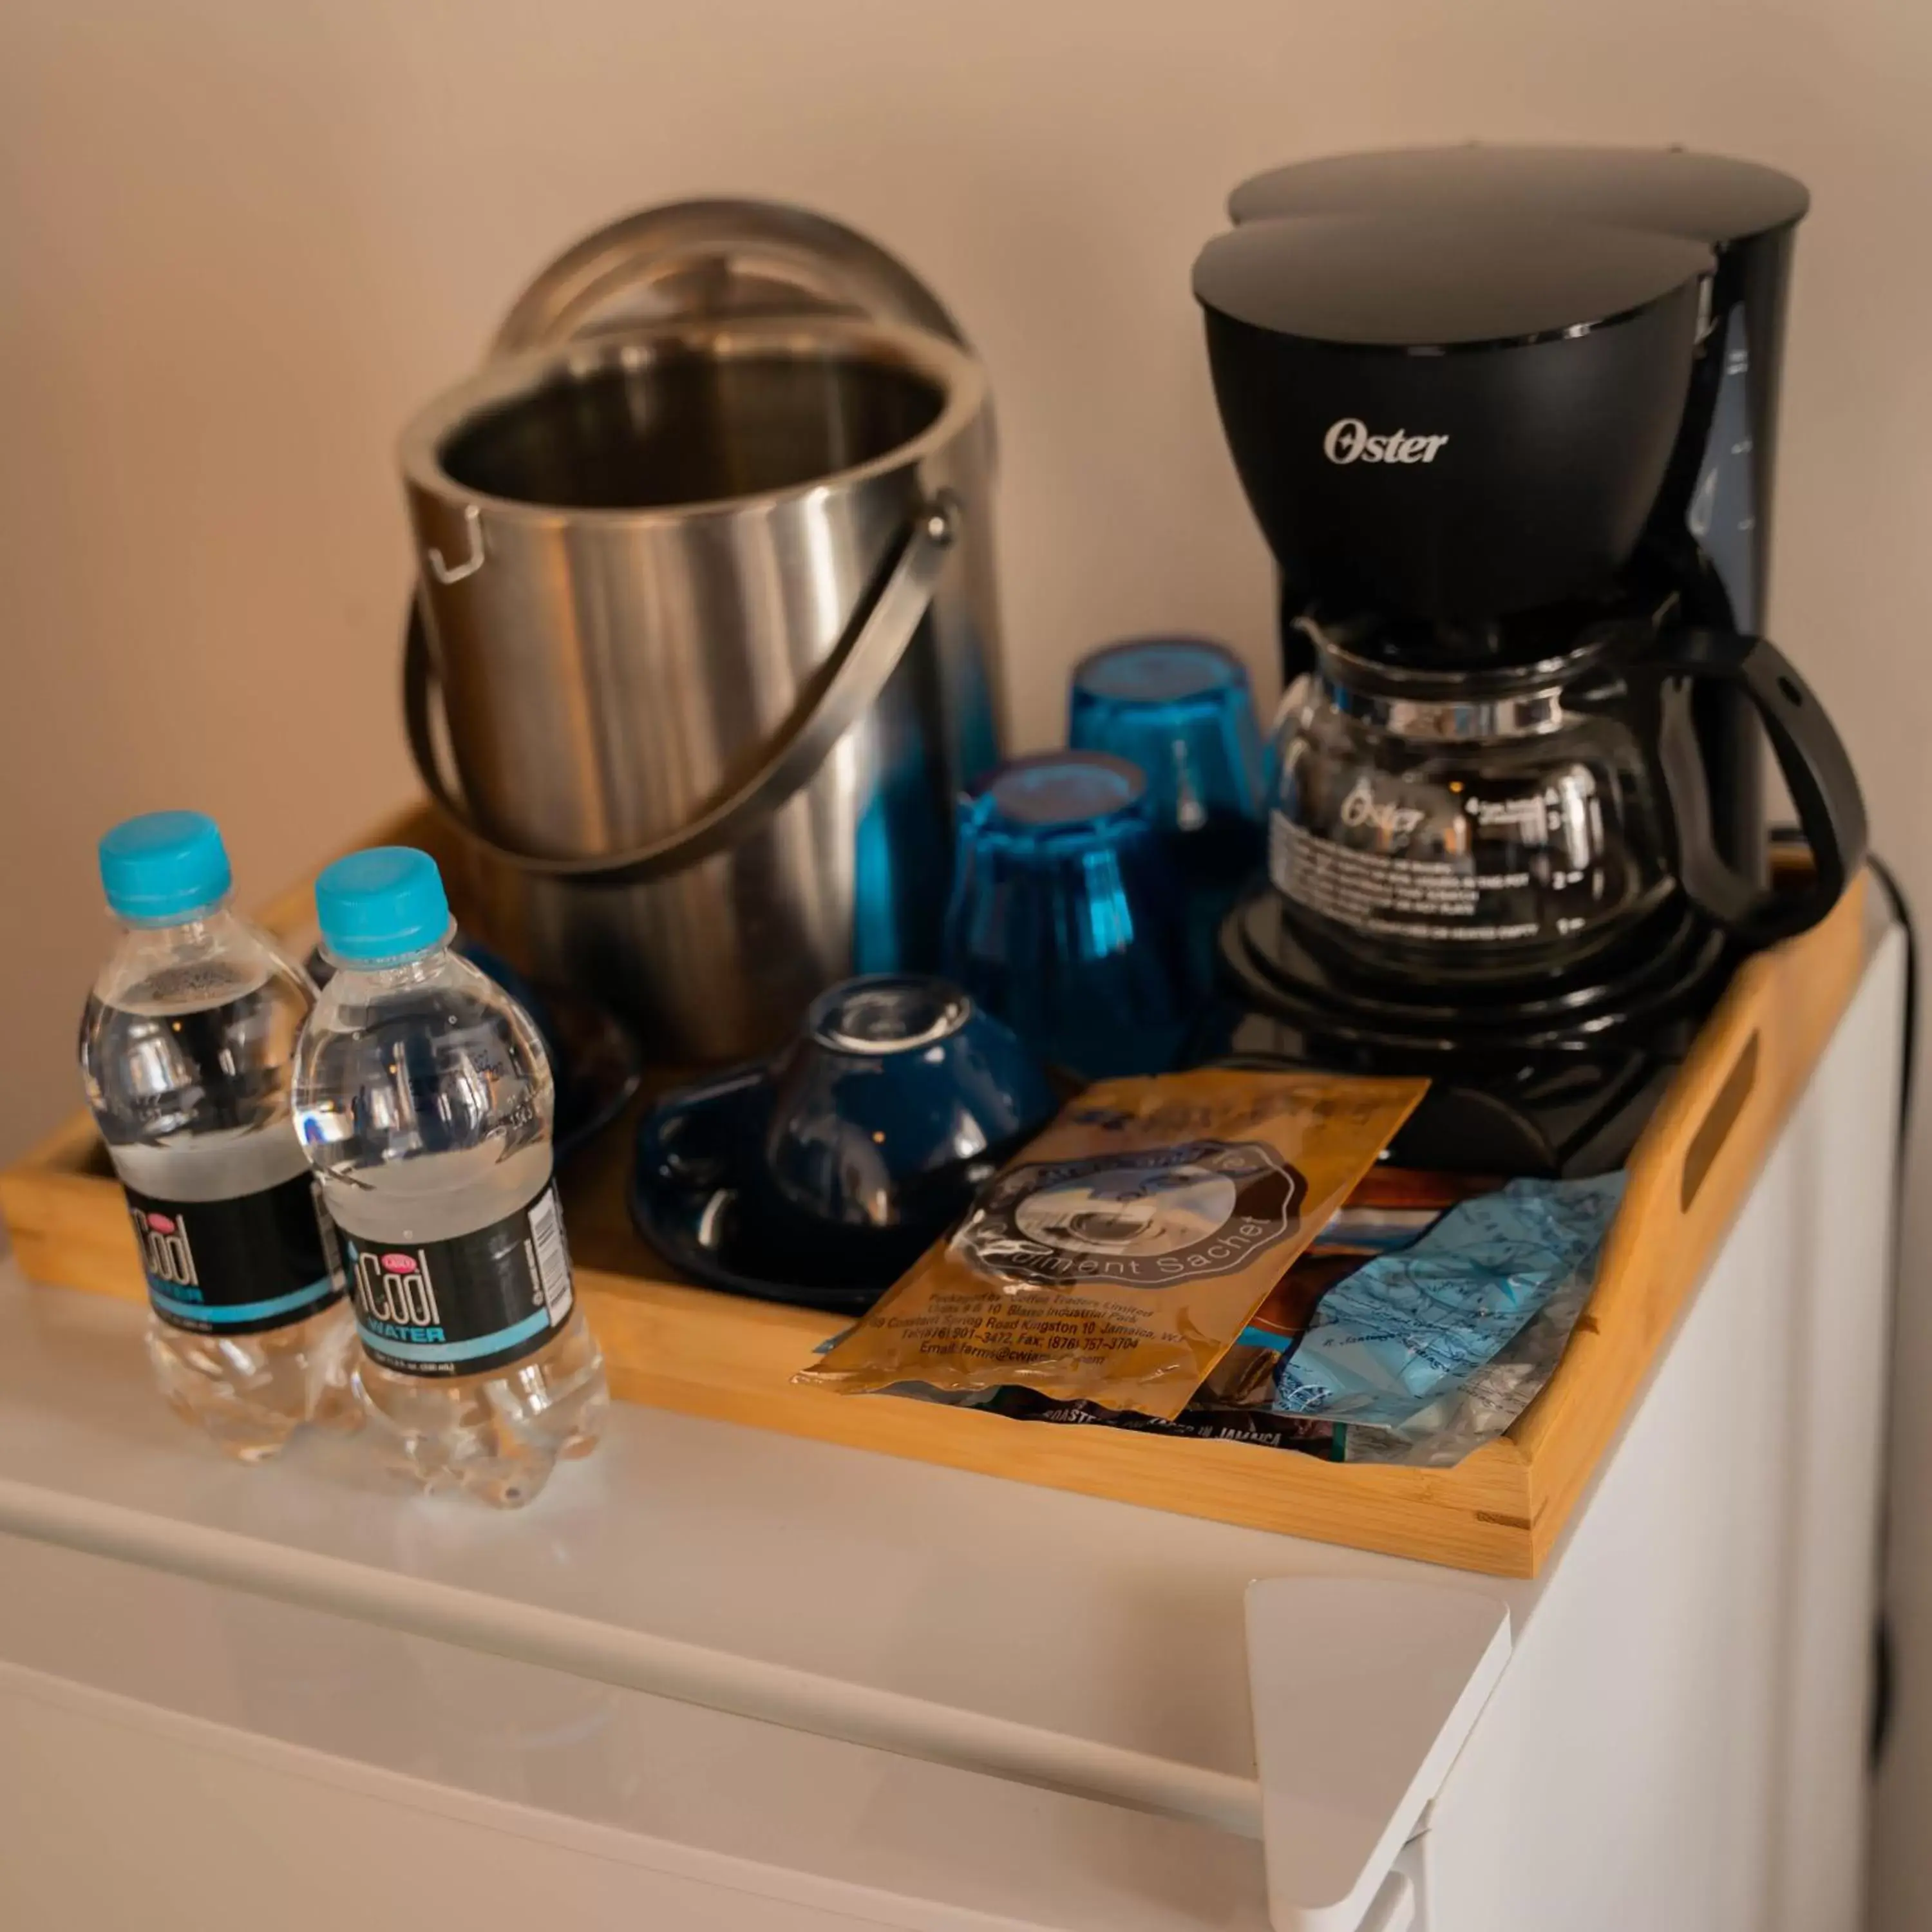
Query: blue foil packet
[1405,1332]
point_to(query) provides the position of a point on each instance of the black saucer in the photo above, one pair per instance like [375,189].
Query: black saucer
[697,1195]
[597,1064]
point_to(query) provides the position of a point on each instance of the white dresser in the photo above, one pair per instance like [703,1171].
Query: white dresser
[717,1678]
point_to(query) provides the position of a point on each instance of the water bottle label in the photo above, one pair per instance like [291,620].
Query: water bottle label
[236,1267]
[466,1306]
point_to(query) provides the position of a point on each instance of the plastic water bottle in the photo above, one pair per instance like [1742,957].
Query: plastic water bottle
[423,1099]
[186,1049]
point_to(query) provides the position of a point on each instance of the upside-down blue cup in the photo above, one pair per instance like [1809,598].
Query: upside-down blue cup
[1182,709]
[820,1179]
[1067,919]
[898,1098]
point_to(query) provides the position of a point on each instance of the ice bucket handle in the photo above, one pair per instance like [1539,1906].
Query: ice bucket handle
[844,687]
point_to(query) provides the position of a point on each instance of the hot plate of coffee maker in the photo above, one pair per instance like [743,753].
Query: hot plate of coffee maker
[1501,445]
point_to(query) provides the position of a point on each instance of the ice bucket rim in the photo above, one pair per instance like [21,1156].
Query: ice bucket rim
[956,374]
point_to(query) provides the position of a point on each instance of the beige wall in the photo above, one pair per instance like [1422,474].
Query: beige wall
[240,238]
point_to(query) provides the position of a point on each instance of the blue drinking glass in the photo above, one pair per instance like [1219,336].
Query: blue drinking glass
[1067,919]
[1181,709]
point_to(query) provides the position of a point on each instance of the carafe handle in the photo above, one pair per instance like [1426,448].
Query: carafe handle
[1812,757]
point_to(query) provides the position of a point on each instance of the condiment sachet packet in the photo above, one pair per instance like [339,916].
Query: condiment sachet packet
[1121,1256]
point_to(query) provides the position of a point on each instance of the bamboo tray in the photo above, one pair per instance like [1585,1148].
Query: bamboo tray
[1501,1510]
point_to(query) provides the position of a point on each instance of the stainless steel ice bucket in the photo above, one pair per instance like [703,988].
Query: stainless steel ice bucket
[707,629]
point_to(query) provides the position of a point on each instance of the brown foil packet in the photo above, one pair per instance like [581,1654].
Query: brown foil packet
[1120,1257]
[1387,1186]
[1279,1322]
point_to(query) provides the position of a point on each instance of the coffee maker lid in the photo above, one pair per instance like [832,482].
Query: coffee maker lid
[1709,198]
[1456,281]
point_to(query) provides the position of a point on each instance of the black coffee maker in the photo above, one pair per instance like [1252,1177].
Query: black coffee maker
[1505,416]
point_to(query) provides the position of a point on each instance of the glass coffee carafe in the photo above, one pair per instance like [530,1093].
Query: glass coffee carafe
[1494,823]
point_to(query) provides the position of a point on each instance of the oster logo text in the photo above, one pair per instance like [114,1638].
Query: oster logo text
[1349,441]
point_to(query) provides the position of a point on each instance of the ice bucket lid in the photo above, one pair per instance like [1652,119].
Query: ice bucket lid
[708,260]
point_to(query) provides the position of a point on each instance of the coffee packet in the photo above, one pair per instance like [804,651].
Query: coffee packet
[1119,1256]
[1243,1416]
[1396,1343]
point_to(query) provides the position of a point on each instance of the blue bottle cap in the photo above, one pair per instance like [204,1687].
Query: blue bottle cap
[383,904]
[164,866]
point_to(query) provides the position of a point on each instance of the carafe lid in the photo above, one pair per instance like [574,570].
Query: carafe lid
[1495,653]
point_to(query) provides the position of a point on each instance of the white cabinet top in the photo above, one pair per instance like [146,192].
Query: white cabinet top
[983,1623]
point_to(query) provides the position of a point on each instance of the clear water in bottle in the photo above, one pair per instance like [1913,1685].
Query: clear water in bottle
[186,1049]
[424,1100]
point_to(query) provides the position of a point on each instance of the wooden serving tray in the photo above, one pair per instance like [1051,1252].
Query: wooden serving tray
[676,1347]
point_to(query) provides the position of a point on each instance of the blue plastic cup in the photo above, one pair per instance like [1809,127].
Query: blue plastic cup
[1066,920]
[1182,709]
